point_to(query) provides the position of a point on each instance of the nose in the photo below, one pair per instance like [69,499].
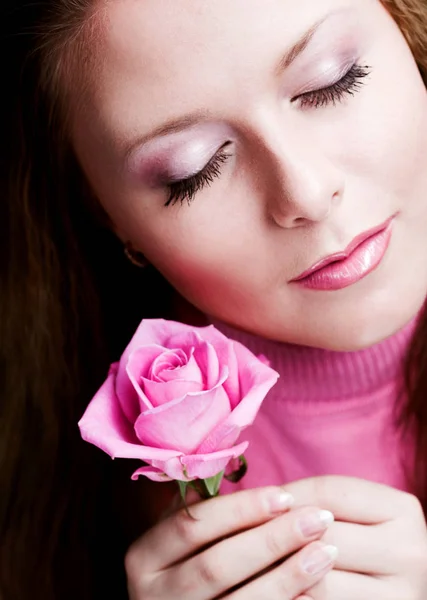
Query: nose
[303,184]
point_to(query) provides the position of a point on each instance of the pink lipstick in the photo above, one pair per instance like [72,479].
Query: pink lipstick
[340,270]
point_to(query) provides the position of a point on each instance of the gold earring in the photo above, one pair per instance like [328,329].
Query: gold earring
[134,256]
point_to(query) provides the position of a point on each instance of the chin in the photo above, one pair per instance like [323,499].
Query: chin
[360,330]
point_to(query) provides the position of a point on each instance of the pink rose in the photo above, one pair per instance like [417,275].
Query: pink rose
[178,400]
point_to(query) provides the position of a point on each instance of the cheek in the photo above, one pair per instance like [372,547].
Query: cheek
[220,288]
[206,245]
[212,255]
[199,261]
[398,141]
[204,249]
[389,131]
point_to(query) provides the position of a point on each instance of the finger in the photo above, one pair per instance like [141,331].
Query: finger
[367,549]
[339,585]
[292,578]
[239,558]
[350,499]
[182,535]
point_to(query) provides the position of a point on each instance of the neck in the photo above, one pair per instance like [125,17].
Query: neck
[321,375]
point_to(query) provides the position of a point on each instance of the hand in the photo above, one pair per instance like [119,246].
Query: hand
[381,537]
[230,549]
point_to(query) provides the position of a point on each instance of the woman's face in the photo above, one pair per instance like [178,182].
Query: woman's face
[237,144]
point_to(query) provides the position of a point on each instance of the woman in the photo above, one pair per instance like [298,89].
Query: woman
[288,145]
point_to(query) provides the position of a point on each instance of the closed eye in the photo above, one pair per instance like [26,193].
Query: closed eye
[349,84]
[185,190]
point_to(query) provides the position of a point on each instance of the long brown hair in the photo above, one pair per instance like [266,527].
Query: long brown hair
[59,535]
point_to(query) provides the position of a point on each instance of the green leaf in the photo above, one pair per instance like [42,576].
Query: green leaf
[213,483]
[183,485]
[240,472]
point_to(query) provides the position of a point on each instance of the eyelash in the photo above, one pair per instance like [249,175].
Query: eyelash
[186,189]
[349,84]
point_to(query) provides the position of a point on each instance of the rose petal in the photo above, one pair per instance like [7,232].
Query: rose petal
[204,340]
[202,466]
[159,332]
[184,423]
[173,468]
[256,381]
[188,468]
[224,350]
[171,334]
[104,425]
[169,360]
[190,371]
[224,436]
[232,384]
[264,359]
[187,339]
[207,360]
[150,333]
[128,390]
[162,393]
[148,393]
[244,414]
[151,473]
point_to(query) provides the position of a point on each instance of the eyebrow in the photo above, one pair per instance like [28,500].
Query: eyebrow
[187,121]
[298,48]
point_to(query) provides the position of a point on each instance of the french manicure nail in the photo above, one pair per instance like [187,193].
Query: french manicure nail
[319,559]
[279,501]
[316,522]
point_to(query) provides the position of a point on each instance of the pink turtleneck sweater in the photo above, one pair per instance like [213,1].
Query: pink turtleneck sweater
[330,413]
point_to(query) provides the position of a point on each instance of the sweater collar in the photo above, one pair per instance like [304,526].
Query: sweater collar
[312,374]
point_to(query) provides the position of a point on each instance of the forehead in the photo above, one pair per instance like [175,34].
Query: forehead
[163,58]
[162,34]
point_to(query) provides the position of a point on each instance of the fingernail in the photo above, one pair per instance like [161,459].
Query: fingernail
[279,501]
[319,559]
[316,522]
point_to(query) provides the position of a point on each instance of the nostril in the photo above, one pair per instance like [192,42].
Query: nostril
[288,221]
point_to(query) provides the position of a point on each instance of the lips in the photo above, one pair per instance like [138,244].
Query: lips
[362,255]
